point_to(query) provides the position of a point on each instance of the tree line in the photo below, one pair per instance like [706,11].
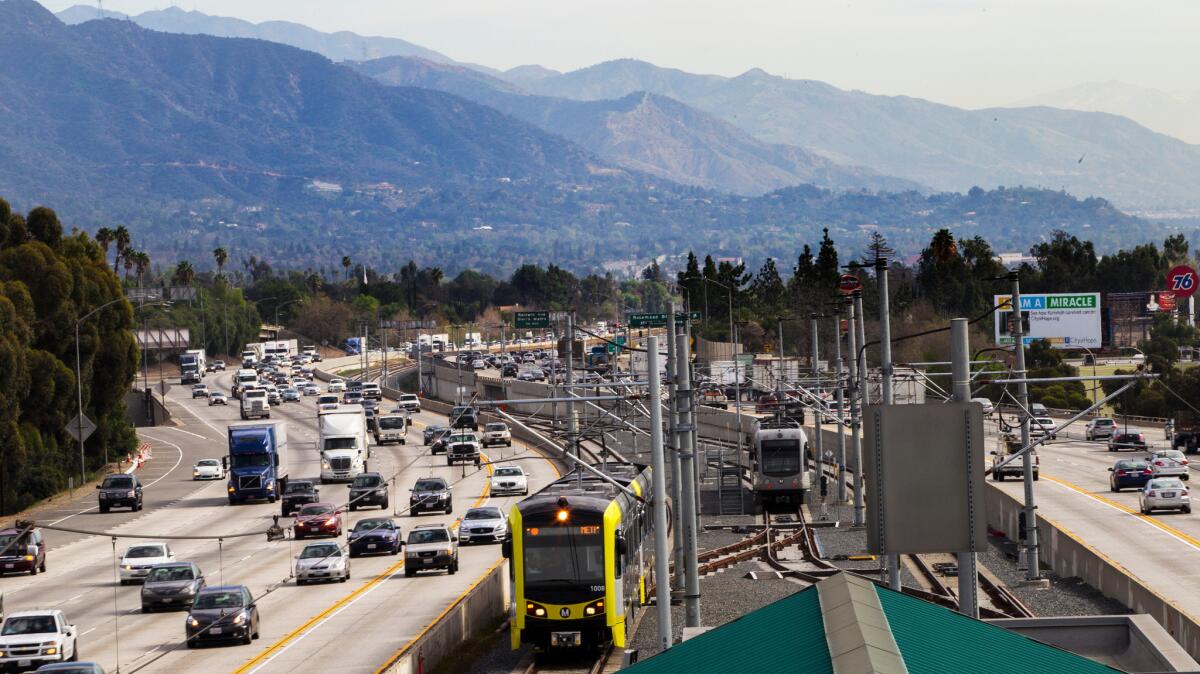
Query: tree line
[51,282]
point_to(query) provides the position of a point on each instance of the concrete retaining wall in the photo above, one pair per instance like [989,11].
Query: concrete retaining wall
[1071,557]
[476,611]
[140,414]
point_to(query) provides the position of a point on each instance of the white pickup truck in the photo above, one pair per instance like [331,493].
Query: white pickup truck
[255,404]
[30,639]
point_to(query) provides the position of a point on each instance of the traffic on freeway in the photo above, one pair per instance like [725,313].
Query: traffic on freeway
[195,527]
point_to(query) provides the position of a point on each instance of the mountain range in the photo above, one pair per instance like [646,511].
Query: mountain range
[195,141]
[1176,115]
[645,132]
[946,148]
[339,46]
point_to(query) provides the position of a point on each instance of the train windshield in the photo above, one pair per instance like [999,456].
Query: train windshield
[558,555]
[780,458]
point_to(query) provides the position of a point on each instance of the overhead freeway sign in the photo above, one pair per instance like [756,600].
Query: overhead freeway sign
[660,320]
[532,319]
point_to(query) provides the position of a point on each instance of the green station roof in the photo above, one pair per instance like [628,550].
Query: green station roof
[846,624]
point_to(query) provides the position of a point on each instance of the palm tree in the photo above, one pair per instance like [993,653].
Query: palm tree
[346,265]
[122,238]
[128,257]
[943,246]
[104,237]
[221,257]
[185,273]
[141,261]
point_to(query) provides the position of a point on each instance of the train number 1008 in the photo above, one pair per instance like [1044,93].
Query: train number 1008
[597,588]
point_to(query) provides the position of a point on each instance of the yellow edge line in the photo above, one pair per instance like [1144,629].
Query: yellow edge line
[287,638]
[400,653]
[1115,564]
[1124,508]
[404,649]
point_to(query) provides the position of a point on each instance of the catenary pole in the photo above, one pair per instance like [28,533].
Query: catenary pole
[840,399]
[855,415]
[1032,571]
[687,457]
[673,427]
[661,572]
[960,355]
[885,367]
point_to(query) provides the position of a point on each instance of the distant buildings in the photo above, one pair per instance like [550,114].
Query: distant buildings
[1015,260]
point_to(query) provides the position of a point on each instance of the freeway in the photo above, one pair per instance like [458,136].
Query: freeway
[334,627]
[1160,549]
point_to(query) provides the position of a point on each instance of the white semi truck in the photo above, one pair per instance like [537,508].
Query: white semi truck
[191,366]
[343,442]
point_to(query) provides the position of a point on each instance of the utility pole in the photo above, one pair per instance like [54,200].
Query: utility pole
[960,356]
[662,573]
[1032,569]
[819,408]
[864,392]
[885,367]
[737,376]
[841,401]
[779,380]
[572,428]
[695,417]
[855,416]
[676,464]
[687,456]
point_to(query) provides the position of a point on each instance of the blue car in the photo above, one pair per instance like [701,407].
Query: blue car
[374,535]
[1129,473]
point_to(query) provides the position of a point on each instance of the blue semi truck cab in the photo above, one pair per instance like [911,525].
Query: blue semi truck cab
[257,463]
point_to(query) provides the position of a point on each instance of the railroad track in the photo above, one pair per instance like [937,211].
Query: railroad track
[552,663]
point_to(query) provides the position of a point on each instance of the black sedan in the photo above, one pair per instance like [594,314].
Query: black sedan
[1120,441]
[222,613]
[1129,473]
[374,535]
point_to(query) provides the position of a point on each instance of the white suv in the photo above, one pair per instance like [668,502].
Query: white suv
[1100,427]
[409,401]
[337,385]
[496,433]
[29,639]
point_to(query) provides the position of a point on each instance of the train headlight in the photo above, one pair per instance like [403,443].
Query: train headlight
[594,608]
[535,610]
[562,516]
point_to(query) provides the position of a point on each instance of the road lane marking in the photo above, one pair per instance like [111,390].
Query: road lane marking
[1148,519]
[194,435]
[295,636]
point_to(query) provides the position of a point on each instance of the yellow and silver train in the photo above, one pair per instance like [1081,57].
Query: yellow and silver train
[581,554]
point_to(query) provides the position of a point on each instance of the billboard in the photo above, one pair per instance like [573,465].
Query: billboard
[1066,320]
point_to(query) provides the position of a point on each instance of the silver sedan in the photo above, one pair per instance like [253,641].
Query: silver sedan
[1164,493]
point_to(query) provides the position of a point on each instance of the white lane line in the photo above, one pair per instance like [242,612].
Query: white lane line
[327,618]
[83,634]
[178,460]
[194,435]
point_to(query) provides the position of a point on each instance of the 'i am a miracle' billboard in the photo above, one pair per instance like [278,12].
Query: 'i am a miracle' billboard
[1066,320]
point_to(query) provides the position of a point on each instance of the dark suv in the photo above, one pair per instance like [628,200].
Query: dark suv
[299,493]
[509,370]
[430,494]
[120,490]
[22,552]
[368,489]
[464,416]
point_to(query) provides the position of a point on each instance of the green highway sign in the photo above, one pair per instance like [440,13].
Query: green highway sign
[647,320]
[532,319]
[659,320]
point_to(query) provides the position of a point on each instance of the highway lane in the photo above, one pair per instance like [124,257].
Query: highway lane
[1161,549]
[80,579]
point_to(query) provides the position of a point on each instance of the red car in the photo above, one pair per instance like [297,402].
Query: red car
[22,552]
[317,519]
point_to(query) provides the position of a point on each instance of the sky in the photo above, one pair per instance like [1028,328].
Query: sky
[967,53]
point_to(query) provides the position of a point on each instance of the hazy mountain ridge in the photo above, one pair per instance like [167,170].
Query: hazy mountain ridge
[338,46]
[1086,153]
[1176,115]
[195,116]
[644,132]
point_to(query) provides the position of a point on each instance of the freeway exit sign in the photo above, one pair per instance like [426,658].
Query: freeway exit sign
[660,320]
[532,319]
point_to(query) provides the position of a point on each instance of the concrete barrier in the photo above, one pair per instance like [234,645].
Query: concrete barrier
[146,410]
[1073,558]
[477,610]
